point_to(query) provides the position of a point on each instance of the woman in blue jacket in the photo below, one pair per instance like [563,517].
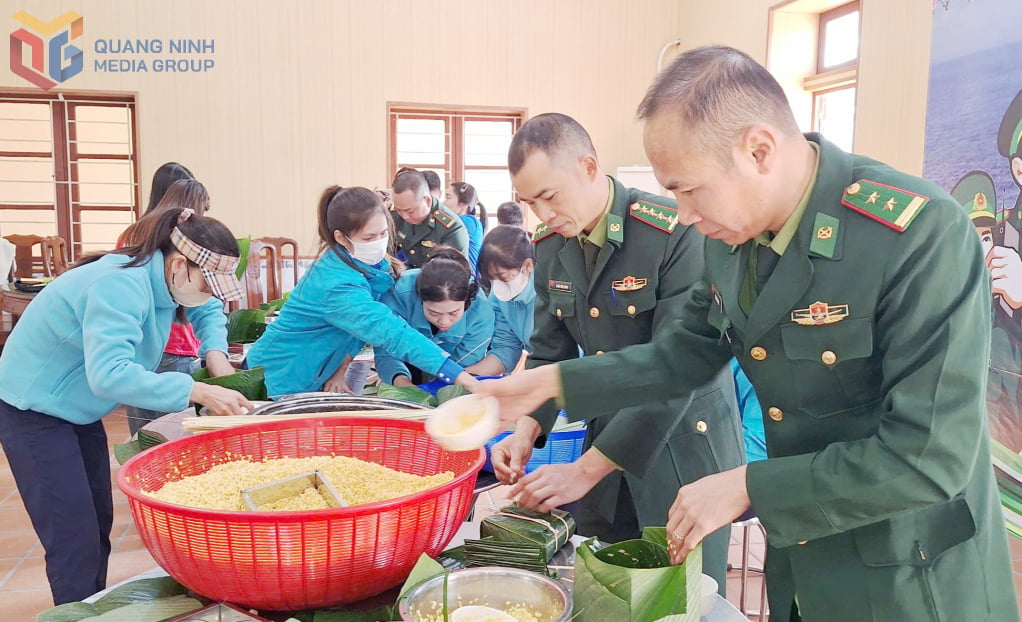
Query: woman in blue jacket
[462,199]
[439,302]
[335,307]
[505,266]
[89,341]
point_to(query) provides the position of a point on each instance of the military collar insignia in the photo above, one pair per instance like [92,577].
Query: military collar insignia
[629,284]
[428,243]
[657,216]
[825,238]
[401,234]
[559,286]
[542,231]
[443,218]
[819,313]
[615,228]
[891,206]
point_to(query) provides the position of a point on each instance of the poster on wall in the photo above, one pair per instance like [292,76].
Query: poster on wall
[974,150]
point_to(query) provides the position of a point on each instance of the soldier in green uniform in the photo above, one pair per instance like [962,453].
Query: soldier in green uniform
[976,192]
[612,268]
[421,221]
[865,335]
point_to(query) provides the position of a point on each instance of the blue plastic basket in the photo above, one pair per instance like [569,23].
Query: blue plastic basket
[561,448]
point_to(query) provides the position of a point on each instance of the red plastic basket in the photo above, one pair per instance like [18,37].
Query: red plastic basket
[289,561]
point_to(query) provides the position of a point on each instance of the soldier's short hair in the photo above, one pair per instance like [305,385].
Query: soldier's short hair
[552,133]
[432,180]
[411,180]
[719,92]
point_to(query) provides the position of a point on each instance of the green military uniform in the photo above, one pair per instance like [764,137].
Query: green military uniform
[868,348]
[442,226]
[1009,145]
[639,278]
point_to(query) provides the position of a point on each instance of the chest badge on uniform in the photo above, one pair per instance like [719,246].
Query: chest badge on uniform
[428,243]
[629,284]
[559,286]
[819,313]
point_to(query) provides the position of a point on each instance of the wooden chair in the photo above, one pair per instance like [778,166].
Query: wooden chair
[55,257]
[256,293]
[26,263]
[278,245]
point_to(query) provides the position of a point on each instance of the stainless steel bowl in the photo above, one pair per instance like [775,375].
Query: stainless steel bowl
[490,586]
[326,402]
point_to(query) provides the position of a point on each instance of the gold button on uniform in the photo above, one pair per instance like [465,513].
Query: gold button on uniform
[776,413]
[701,427]
[559,313]
[594,312]
[758,353]
[598,352]
[828,357]
[411,252]
[631,309]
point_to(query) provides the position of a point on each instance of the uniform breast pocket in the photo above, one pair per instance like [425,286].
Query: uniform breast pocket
[632,304]
[832,365]
[717,319]
[562,304]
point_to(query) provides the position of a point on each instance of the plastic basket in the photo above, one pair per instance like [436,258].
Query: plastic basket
[561,448]
[288,561]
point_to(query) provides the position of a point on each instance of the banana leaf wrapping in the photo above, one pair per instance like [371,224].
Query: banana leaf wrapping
[248,382]
[548,531]
[407,394]
[634,580]
[450,392]
[245,325]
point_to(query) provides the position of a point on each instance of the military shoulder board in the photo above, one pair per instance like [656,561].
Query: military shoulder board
[888,205]
[542,232]
[443,218]
[657,216]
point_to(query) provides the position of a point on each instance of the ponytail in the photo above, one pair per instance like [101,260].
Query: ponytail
[326,234]
[348,210]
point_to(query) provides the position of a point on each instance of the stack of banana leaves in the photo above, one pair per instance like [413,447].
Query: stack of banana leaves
[519,538]
[1008,469]
[634,580]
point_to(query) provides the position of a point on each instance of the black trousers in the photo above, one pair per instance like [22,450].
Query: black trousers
[63,474]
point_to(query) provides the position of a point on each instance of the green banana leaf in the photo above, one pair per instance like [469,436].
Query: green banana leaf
[243,245]
[274,306]
[249,382]
[548,531]
[448,393]
[126,451]
[633,580]
[423,570]
[158,589]
[245,325]
[407,394]
[156,610]
[490,552]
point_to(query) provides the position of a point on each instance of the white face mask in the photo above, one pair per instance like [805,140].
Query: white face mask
[190,294]
[370,253]
[510,290]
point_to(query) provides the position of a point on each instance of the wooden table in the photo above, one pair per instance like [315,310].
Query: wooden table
[14,302]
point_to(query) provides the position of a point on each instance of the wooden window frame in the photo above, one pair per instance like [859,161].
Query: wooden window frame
[67,157]
[821,40]
[455,118]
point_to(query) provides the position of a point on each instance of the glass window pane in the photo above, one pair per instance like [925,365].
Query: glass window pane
[835,116]
[19,134]
[27,222]
[422,141]
[103,114]
[841,40]
[102,129]
[31,192]
[25,169]
[486,142]
[99,229]
[25,110]
[105,182]
[493,187]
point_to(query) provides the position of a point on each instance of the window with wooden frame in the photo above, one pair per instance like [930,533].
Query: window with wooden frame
[459,144]
[68,167]
[837,69]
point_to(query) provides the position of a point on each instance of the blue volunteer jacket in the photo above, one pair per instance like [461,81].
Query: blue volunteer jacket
[513,328]
[466,342]
[92,338]
[332,311]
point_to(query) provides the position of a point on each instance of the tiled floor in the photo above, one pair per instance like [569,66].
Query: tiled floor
[24,591]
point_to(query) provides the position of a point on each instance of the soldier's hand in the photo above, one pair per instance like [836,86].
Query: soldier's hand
[553,485]
[702,507]
[522,393]
[1005,267]
[510,455]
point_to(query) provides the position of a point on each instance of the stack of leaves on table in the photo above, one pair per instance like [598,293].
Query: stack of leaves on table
[519,538]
